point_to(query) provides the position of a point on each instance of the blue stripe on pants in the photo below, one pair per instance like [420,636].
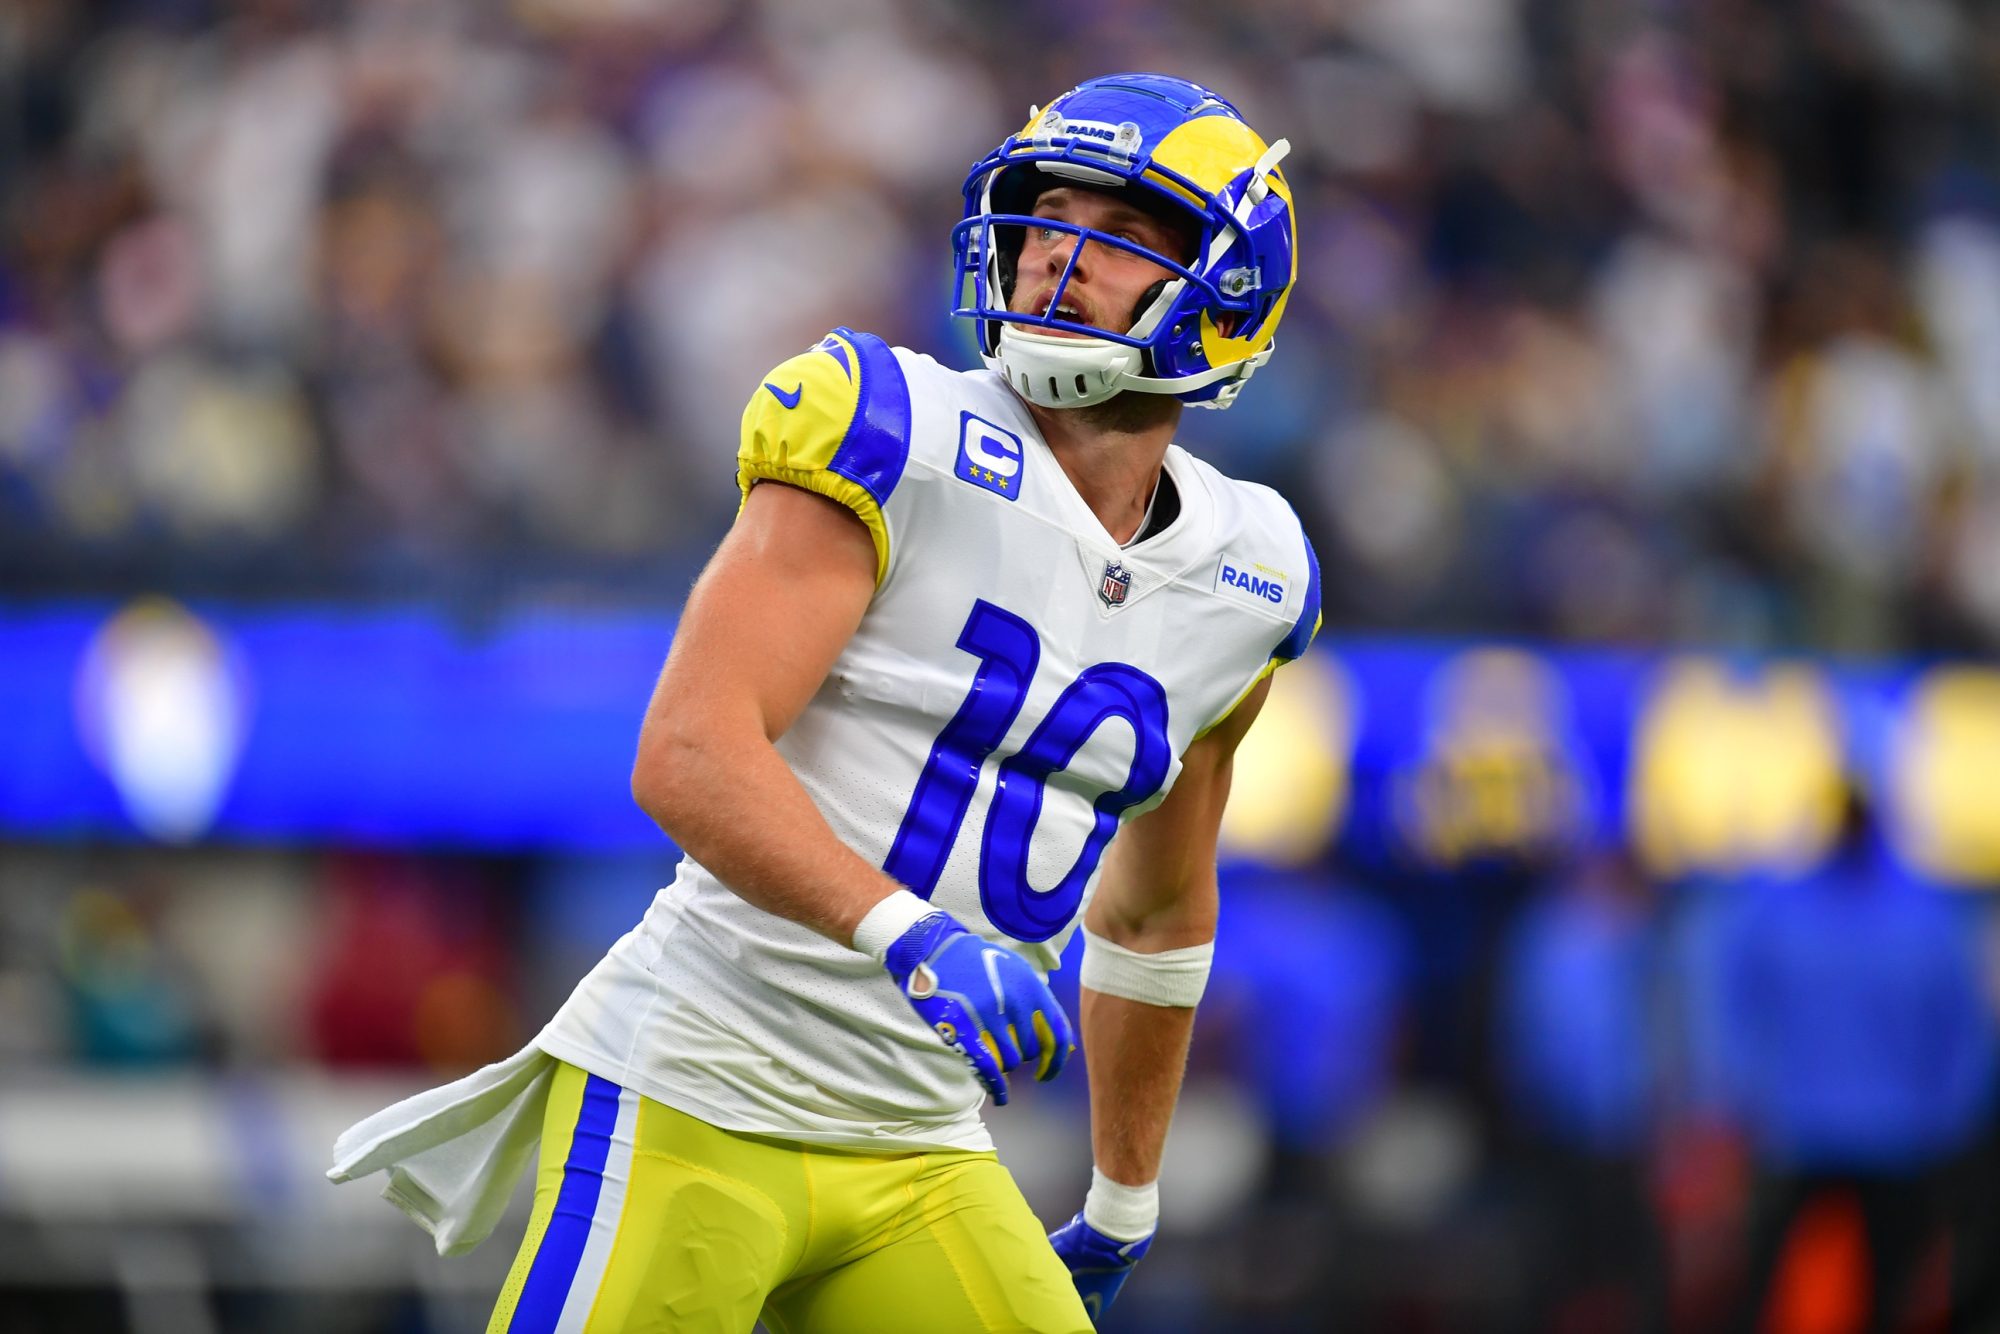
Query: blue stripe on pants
[556,1259]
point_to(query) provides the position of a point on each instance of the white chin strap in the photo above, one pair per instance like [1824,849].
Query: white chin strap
[1053,371]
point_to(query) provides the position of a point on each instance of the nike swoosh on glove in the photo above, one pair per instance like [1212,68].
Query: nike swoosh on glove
[1099,1265]
[985,1001]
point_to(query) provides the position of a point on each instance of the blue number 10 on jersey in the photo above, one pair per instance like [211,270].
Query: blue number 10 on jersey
[1008,650]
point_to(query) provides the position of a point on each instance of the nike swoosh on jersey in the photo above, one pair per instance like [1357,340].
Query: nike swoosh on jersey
[790,400]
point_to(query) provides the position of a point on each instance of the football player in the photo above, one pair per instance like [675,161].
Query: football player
[969,668]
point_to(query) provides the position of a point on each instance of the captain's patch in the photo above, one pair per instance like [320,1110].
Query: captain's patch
[989,456]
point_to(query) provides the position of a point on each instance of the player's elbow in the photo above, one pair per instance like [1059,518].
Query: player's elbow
[666,774]
[1166,919]
[650,789]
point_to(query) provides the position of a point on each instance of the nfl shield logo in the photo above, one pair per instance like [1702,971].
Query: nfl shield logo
[1115,584]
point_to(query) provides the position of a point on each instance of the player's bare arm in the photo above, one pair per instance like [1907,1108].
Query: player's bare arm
[1151,931]
[779,600]
[1158,894]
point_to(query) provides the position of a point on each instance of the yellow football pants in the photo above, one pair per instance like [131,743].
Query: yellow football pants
[649,1219]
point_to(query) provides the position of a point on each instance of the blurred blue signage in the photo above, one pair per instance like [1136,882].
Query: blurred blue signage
[157,721]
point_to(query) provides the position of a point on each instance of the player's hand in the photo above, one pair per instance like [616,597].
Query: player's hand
[1098,1264]
[983,1000]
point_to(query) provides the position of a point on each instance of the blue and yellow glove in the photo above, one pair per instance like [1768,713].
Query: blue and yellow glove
[1098,1264]
[983,1000]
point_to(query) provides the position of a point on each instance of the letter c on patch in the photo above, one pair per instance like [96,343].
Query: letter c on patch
[995,453]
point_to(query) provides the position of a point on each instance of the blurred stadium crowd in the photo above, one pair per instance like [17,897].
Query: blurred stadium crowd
[1634,322]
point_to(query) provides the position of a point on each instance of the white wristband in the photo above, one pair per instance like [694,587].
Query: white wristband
[1119,1211]
[1172,978]
[888,920]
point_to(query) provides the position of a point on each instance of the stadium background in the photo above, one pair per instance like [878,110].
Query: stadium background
[368,382]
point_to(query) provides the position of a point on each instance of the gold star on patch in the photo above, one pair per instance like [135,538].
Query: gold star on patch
[1003,483]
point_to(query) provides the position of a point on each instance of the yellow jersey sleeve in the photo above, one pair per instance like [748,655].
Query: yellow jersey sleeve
[834,420]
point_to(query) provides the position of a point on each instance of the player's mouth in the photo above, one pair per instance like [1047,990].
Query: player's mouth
[1070,311]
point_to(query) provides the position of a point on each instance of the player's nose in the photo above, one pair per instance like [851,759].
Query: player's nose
[1059,251]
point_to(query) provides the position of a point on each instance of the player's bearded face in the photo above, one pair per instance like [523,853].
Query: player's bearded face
[1108,285]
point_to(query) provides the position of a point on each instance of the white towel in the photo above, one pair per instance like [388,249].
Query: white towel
[455,1153]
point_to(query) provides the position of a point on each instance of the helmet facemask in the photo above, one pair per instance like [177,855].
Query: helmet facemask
[1045,364]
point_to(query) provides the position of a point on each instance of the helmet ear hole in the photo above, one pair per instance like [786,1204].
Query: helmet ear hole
[1145,302]
[1139,309]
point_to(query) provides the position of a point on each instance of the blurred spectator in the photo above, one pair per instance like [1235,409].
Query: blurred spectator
[1617,324]
[1975,1237]
[1305,1007]
[413,969]
[1861,1055]
[1300,953]
[130,1000]
[1579,1048]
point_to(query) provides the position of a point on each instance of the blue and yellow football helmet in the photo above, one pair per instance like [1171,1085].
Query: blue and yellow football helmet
[1183,151]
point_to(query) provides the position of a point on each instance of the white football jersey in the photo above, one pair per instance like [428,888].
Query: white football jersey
[1019,686]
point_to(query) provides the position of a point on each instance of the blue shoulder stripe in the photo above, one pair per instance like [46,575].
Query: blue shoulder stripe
[878,440]
[1304,628]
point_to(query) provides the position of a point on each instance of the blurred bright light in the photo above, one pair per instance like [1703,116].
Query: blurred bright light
[162,709]
[1944,767]
[1289,788]
[1734,771]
